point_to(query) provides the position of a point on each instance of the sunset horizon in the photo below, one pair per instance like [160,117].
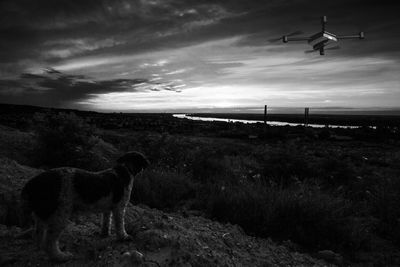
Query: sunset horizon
[207,56]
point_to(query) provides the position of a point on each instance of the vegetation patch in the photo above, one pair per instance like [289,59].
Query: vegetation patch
[64,139]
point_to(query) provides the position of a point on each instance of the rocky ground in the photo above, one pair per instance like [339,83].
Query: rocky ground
[163,240]
[158,238]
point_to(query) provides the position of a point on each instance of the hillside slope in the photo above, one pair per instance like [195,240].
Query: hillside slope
[164,239]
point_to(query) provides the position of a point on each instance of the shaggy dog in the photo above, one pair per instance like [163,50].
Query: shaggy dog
[55,195]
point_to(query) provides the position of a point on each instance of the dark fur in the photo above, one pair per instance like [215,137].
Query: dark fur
[41,193]
[55,195]
[134,157]
[90,187]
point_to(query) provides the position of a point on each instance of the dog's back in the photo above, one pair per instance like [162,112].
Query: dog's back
[75,189]
[99,190]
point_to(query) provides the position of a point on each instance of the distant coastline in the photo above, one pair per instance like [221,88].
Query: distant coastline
[319,120]
[320,116]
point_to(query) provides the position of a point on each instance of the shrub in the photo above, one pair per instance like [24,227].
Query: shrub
[64,140]
[206,168]
[336,171]
[209,165]
[162,189]
[384,201]
[285,166]
[169,151]
[304,215]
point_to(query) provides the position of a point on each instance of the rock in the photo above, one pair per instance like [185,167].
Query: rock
[330,256]
[290,245]
[152,240]
[133,258]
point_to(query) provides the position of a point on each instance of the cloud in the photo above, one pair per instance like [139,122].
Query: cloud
[48,31]
[179,45]
[45,23]
[54,88]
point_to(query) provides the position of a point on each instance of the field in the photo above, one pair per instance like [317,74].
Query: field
[308,189]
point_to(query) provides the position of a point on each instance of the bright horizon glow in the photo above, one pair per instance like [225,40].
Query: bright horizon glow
[250,78]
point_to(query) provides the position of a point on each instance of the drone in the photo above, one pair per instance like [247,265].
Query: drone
[322,40]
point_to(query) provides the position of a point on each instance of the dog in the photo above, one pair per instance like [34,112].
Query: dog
[54,196]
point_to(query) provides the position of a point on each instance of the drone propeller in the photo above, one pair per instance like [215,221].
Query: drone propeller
[287,35]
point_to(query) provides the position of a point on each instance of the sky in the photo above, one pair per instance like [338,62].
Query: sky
[196,56]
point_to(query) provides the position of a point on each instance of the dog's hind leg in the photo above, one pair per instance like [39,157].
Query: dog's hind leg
[52,244]
[106,225]
[118,214]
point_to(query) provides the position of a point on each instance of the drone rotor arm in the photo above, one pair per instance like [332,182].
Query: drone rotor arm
[347,37]
[358,36]
[291,39]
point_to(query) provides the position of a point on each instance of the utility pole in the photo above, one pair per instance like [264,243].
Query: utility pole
[265,115]
[306,115]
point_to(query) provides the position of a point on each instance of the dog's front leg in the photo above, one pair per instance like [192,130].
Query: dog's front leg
[106,225]
[52,244]
[39,233]
[119,214]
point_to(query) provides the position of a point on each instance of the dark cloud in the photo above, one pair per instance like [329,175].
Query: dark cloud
[31,28]
[54,88]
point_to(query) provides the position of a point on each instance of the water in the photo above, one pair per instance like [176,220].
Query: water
[273,123]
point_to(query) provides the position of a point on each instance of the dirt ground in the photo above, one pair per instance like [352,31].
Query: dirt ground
[163,239]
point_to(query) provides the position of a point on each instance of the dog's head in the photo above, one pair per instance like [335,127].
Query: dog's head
[134,161]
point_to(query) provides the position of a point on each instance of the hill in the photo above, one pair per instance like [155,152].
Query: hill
[164,239]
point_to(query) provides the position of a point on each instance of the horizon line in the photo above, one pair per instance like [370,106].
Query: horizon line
[239,110]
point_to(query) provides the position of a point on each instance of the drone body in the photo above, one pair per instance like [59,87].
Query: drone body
[322,39]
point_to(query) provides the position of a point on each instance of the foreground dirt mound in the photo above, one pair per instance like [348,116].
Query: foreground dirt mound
[163,239]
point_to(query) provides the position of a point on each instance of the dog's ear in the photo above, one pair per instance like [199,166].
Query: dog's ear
[134,161]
